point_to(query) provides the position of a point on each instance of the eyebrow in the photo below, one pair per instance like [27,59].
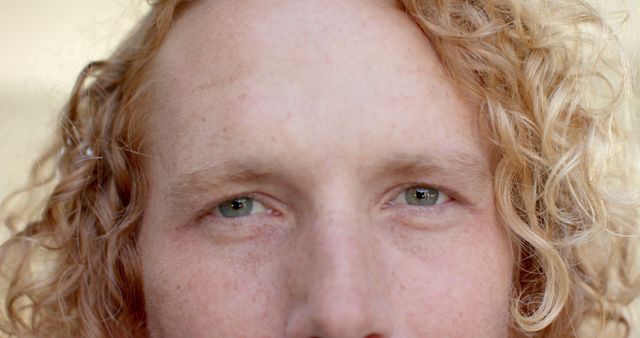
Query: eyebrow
[193,183]
[468,163]
[206,177]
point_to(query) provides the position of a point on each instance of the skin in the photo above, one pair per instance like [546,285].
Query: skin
[323,112]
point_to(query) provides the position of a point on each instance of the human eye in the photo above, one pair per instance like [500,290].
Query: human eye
[239,207]
[421,196]
[243,216]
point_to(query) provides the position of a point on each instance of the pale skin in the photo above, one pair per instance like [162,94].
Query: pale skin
[323,114]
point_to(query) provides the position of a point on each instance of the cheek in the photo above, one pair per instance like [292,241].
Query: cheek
[455,283]
[193,289]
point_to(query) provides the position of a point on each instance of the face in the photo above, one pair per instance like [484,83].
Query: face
[314,173]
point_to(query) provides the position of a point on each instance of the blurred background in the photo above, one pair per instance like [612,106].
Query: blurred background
[45,43]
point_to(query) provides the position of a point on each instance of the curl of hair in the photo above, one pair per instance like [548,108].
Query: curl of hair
[550,79]
[74,272]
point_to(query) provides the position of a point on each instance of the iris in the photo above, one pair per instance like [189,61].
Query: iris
[237,207]
[421,196]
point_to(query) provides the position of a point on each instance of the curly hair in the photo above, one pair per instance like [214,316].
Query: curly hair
[551,81]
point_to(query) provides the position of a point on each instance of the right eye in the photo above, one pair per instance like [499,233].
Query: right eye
[422,196]
[240,207]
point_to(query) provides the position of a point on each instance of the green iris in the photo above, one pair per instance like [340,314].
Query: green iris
[236,207]
[421,196]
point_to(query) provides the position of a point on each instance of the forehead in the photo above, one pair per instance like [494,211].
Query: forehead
[305,80]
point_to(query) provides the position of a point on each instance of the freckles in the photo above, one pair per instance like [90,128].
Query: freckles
[424,244]
[216,292]
[457,274]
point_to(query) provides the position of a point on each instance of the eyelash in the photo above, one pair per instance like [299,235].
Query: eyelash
[405,209]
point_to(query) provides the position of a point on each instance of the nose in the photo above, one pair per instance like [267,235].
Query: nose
[336,283]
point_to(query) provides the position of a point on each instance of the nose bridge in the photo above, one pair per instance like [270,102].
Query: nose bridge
[335,273]
[339,255]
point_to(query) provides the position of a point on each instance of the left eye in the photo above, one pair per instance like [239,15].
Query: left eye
[239,207]
[421,196]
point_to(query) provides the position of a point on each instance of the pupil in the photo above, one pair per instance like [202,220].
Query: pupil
[237,204]
[421,196]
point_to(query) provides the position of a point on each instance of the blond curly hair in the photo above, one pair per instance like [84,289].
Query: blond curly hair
[551,80]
